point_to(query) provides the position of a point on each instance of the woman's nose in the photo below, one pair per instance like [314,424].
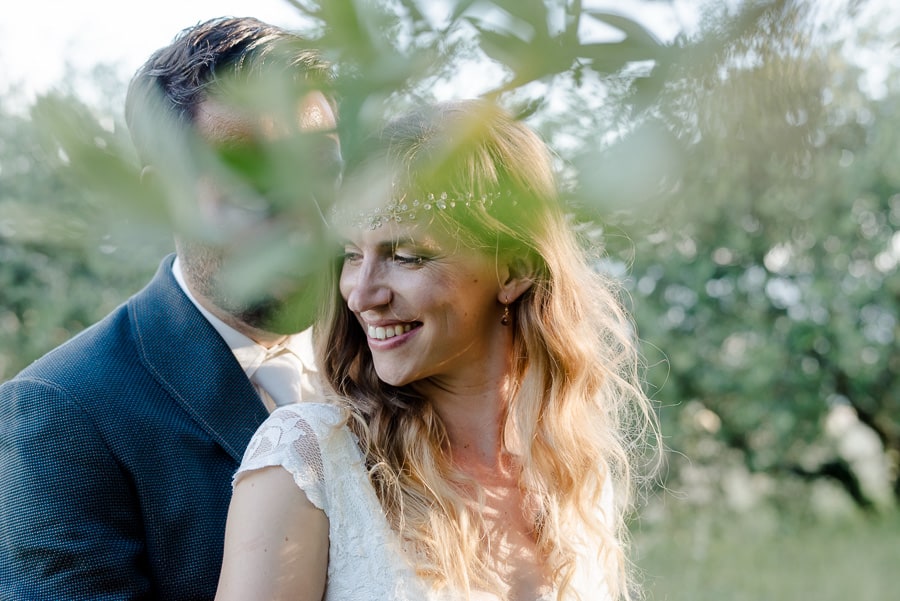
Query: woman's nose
[364,287]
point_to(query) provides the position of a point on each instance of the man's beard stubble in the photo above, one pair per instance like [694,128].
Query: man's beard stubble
[206,271]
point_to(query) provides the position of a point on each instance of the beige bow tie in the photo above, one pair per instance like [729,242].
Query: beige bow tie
[282,378]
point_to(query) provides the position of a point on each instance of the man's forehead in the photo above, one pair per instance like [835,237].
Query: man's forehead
[316,113]
[219,121]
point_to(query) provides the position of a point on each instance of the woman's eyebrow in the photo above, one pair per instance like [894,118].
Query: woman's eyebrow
[423,242]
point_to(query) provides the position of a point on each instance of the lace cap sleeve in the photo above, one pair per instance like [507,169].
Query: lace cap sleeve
[292,437]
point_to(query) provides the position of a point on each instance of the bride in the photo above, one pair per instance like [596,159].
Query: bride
[485,393]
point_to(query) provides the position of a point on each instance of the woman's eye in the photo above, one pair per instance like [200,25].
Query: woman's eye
[409,259]
[351,256]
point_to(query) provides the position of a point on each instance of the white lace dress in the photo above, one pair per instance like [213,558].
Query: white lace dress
[365,558]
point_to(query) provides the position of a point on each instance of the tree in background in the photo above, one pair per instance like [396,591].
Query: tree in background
[65,260]
[767,270]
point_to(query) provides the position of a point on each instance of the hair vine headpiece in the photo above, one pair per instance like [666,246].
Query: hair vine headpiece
[404,210]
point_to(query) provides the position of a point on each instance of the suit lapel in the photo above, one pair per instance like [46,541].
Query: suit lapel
[193,364]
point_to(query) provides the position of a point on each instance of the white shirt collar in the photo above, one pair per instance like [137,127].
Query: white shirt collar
[249,353]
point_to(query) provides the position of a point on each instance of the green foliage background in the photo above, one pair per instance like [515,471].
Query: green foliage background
[744,181]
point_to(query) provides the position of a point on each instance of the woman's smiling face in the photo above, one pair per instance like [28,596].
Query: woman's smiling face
[429,305]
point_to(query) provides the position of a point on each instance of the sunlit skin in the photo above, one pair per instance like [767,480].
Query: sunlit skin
[276,541]
[444,297]
[443,303]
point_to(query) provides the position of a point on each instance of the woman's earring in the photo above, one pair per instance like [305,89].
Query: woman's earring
[504,319]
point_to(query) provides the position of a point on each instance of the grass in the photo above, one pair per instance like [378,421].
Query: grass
[769,557]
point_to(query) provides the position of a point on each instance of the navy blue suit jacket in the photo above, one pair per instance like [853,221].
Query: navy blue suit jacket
[117,451]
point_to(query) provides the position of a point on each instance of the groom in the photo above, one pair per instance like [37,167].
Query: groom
[117,449]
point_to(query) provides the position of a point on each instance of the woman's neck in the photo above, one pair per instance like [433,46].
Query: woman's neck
[473,421]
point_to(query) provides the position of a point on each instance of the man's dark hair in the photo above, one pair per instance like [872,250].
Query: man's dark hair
[164,94]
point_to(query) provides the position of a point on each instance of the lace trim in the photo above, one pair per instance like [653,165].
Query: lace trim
[287,439]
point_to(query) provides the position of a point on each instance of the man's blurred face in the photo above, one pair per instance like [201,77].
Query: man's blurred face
[264,205]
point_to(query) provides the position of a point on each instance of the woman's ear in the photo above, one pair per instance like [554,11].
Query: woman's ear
[519,276]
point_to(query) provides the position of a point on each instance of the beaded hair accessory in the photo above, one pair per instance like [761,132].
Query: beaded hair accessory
[409,210]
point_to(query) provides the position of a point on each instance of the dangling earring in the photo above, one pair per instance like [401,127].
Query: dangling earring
[504,319]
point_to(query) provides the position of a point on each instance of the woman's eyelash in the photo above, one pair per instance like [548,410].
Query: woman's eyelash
[354,256]
[409,260]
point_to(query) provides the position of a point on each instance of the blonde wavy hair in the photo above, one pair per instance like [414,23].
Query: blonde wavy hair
[576,418]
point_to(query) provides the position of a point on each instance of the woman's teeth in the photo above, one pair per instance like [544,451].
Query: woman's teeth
[389,332]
